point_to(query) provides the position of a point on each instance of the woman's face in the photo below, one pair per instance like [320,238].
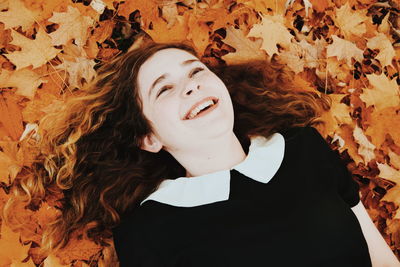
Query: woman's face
[172,83]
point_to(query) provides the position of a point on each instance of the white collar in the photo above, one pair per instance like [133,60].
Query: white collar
[262,162]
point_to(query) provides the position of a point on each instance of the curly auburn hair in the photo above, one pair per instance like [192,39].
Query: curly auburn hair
[90,149]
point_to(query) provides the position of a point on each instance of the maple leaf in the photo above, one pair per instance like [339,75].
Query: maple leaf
[273,32]
[246,49]
[300,55]
[9,167]
[39,106]
[10,115]
[73,25]
[386,50]
[387,172]
[33,52]
[80,68]
[394,159]
[343,49]
[45,8]
[18,15]
[26,81]
[381,123]
[53,261]
[278,7]
[11,249]
[349,22]
[392,195]
[385,92]
[366,148]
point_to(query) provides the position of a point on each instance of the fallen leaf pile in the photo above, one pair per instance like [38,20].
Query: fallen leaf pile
[347,49]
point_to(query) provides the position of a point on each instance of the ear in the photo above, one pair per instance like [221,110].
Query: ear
[151,144]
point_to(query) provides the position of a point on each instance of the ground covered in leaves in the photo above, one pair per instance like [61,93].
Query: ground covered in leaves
[347,49]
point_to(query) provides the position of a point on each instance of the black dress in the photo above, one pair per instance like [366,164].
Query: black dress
[301,216]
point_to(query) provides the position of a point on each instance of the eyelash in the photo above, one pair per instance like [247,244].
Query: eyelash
[196,70]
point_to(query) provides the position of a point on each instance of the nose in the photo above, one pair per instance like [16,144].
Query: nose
[190,88]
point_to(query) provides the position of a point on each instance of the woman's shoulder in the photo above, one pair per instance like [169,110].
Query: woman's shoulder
[295,132]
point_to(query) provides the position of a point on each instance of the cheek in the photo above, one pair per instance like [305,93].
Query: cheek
[166,111]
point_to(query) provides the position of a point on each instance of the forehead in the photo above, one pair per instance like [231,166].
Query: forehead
[162,62]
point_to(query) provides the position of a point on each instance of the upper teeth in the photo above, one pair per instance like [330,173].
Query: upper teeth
[196,110]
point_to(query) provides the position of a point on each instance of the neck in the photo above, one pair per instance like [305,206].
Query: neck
[216,155]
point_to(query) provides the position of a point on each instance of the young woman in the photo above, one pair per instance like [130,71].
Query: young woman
[193,165]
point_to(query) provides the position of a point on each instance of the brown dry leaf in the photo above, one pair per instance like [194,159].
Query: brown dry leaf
[382,122]
[11,117]
[10,163]
[29,263]
[278,7]
[46,214]
[76,249]
[343,49]
[338,114]
[45,8]
[300,55]
[394,159]
[384,93]
[73,25]
[338,70]
[11,249]
[104,31]
[178,32]
[346,134]
[33,52]
[384,27]
[273,32]
[389,173]
[18,15]
[350,22]
[38,107]
[386,50]
[366,148]
[246,50]
[25,80]
[53,261]
[80,68]
[320,6]
[392,195]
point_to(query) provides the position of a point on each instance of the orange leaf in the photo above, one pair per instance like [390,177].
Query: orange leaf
[11,117]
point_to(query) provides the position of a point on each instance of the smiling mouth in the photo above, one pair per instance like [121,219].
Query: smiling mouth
[205,107]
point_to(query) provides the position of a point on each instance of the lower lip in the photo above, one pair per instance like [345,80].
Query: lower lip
[202,114]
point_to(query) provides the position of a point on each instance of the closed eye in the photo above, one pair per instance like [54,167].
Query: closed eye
[193,72]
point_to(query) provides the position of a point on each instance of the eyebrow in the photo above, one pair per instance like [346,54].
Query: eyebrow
[162,77]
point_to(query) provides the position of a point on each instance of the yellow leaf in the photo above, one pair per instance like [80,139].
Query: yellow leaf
[343,49]
[246,49]
[273,32]
[33,52]
[349,22]
[384,92]
[25,80]
[18,15]
[386,50]
[73,25]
